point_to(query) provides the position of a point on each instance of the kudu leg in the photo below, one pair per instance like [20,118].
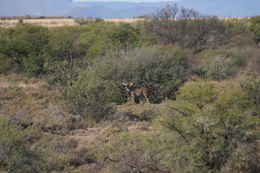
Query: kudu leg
[147,100]
[133,97]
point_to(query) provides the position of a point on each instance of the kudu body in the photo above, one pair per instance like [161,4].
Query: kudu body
[135,91]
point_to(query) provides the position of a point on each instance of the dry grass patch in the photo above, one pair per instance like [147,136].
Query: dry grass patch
[50,23]
[20,93]
[29,100]
[144,112]
[124,20]
[42,22]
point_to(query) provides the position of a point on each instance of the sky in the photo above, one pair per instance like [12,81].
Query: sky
[123,0]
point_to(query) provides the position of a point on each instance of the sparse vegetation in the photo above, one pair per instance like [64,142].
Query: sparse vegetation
[63,107]
[221,63]
[255,27]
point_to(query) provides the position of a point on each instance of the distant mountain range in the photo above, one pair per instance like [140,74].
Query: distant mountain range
[115,9]
[222,8]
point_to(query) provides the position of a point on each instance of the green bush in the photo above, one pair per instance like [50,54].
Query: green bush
[250,84]
[124,37]
[221,64]
[34,65]
[71,49]
[15,154]
[200,93]
[218,68]
[131,152]
[212,124]
[209,128]
[24,47]
[65,44]
[89,98]
[6,64]
[162,71]
[255,28]
[100,85]
[36,50]
[102,37]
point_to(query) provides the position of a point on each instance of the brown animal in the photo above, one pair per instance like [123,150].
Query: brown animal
[134,91]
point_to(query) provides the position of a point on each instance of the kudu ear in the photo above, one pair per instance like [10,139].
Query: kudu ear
[124,84]
[131,84]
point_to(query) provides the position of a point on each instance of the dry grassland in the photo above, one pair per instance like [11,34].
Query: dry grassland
[7,23]
[126,20]
[50,23]
[42,22]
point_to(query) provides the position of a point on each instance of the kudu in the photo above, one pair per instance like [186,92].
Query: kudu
[134,91]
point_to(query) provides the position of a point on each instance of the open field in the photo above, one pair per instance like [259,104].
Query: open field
[7,23]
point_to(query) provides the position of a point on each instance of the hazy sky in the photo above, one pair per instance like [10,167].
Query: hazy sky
[123,0]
